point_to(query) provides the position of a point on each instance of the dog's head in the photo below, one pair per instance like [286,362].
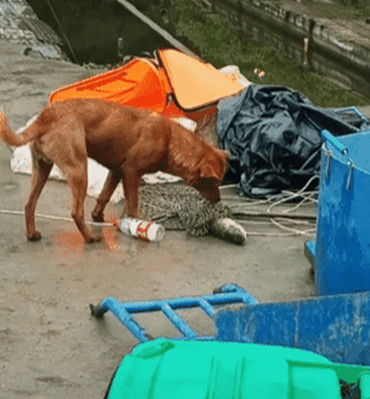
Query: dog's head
[211,171]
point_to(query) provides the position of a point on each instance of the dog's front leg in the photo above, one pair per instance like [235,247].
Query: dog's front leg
[110,185]
[131,182]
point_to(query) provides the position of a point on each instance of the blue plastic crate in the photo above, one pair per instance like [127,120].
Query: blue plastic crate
[337,326]
[341,251]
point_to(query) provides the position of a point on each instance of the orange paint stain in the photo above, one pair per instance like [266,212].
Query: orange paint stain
[110,238]
[72,242]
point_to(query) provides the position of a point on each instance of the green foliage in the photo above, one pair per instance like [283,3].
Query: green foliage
[219,41]
[354,3]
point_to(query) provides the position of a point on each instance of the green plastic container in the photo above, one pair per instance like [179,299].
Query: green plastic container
[170,369]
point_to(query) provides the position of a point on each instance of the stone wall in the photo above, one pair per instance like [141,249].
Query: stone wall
[19,23]
[321,36]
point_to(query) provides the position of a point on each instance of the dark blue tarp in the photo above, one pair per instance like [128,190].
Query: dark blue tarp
[273,135]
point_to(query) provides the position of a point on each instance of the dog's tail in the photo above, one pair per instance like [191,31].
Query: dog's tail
[11,138]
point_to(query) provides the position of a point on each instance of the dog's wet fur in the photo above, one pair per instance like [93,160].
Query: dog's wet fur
[128,141]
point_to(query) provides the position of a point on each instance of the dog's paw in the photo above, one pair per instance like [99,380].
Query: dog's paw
[92,238]
[97,217]
[34,236]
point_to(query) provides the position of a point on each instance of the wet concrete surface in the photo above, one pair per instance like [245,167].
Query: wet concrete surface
[50,347]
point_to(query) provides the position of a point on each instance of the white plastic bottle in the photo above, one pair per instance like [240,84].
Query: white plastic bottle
[143,229]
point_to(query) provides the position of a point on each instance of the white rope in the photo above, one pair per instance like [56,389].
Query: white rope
[298,194]
[283,223]
[308,232]
[52,217]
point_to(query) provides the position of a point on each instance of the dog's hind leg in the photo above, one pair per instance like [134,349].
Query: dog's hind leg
[40,173]
[77,181]
[66,146]
[110,185]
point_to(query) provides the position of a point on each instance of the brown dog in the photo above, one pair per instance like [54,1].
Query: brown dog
[128,141]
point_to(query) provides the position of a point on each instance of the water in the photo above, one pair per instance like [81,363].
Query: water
[103,32]
[97,31]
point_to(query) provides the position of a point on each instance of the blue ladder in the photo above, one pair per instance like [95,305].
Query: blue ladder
[225,295]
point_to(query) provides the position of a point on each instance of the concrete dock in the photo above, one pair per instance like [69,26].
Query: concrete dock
[50,347]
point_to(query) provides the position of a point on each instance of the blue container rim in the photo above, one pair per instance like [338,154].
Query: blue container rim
[341,158]
[313,298]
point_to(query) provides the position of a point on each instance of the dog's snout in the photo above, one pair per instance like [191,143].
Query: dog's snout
[212,195]
[209,189]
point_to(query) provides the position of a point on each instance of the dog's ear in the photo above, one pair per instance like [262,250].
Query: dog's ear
[226,154]
[207,171]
